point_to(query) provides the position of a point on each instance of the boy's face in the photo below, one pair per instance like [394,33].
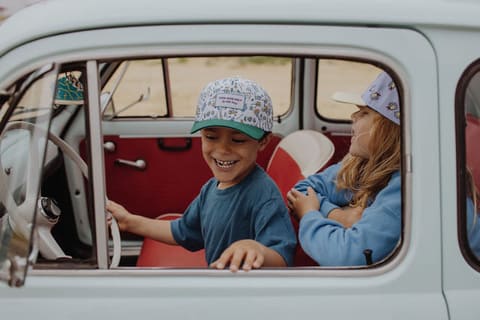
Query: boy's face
[230,154]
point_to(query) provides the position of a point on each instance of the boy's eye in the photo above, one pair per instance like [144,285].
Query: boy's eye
[236,140]
[210,137]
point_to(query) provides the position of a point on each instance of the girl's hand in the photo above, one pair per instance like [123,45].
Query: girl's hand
[300,203]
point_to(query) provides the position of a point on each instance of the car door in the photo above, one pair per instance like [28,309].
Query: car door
[459,127]
[406,285]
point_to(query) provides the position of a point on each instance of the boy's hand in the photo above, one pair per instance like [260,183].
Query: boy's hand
[245,254]
[119,213]
[300,203]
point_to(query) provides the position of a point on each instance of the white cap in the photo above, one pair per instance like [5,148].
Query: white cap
[381,96]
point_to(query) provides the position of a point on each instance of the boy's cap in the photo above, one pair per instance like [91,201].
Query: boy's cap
[235,103]
[381,96]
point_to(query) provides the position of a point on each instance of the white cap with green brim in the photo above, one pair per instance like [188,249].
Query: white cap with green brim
[381,96]
[235,103]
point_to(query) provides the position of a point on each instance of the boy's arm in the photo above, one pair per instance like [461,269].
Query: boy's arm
[248,254]
[151,228]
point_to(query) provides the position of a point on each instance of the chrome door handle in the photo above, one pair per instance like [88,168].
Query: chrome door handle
[138,164]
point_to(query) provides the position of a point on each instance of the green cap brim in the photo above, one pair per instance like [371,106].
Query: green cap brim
[251,131]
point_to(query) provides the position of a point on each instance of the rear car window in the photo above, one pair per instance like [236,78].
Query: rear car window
[468,163]
[169,87]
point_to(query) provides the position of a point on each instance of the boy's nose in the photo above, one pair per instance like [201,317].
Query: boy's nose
[223,146]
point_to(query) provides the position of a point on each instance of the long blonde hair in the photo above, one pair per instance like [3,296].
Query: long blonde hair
[366,177]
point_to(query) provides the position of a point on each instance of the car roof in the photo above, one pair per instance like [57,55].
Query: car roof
[62,16]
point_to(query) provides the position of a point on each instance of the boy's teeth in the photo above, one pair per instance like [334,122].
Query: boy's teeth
[224,163]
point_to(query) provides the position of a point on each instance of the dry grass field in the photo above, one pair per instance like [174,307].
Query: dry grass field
[189,76]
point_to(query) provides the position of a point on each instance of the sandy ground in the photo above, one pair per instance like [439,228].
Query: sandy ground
[189,76]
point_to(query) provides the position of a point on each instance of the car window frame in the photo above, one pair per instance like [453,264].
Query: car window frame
[461,163]
[362,53]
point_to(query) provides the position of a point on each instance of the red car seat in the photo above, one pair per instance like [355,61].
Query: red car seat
[159,254]
[297,156]
[472,134]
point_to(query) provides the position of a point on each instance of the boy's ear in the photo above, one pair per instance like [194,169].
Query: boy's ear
[264,141]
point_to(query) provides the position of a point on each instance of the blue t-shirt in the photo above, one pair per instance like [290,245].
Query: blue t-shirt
[329,243]
[251,209]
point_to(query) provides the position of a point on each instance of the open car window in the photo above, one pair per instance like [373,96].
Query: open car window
[353,76]
[149,153]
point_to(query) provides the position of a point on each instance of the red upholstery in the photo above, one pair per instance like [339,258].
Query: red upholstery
[286,172]
[472,135]
[161,186]
[158,254]
[285,168]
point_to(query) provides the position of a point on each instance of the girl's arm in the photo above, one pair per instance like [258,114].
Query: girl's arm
[347,216]
[379,228]
[323,184]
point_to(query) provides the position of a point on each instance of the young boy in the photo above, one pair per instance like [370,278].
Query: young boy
[239,216]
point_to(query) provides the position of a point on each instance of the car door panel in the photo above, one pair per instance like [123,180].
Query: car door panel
[173,175]
[407,286]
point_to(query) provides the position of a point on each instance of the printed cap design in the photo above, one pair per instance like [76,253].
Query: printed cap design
[236,103]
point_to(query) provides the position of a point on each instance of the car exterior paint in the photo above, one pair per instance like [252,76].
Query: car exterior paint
[427,46]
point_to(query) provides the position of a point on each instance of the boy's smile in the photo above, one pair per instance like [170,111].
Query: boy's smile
[230,154]
[225,164]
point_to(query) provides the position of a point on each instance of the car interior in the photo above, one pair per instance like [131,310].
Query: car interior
[152,164]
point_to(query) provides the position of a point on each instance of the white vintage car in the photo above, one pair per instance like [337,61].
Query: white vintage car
[97,99]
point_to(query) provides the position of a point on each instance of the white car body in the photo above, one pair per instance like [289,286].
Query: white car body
[428,45]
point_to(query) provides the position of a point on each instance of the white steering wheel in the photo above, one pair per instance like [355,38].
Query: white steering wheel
[21,221]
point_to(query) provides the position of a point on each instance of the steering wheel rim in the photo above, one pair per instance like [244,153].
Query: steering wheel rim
[22,224]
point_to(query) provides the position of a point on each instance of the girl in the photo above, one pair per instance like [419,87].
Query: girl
[350,214]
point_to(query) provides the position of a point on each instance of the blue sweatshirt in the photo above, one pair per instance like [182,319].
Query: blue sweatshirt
[329,243]
[473,228]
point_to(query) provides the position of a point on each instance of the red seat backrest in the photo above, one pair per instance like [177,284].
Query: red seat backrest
[159,254]
[297,156]
[472,135]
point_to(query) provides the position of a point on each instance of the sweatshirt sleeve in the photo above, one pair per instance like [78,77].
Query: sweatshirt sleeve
[473,228]
[328,243]
[323,184]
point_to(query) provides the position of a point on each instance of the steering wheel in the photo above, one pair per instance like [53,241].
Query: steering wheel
[21,222]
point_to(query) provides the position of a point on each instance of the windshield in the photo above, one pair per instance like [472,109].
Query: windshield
[25,120]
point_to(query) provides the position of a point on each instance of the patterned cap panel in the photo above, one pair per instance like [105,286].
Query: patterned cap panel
[382,96]
[238,100]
